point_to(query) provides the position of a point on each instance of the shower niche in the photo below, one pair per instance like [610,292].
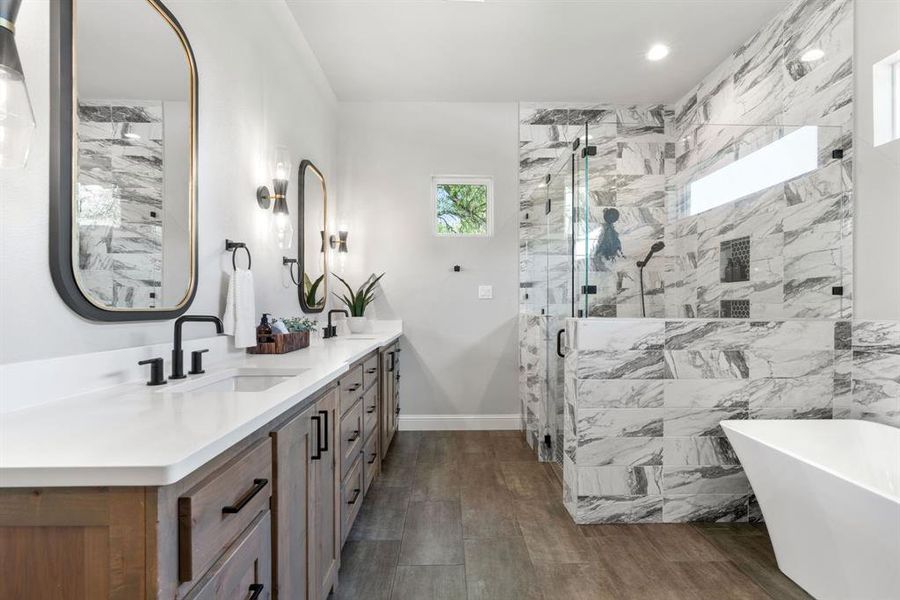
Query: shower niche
[734,260]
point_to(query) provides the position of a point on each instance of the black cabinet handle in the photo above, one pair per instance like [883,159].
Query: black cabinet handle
[318,453]
[324,413]
[356,492]
[370,410]
[371,371]
[559,351]
[355,436]
[258,485]
[391,366]
[354,387]
[255,590]
[374,456]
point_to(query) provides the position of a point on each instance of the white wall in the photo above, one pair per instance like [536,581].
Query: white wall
[260,86]
[460,353]
[877,178]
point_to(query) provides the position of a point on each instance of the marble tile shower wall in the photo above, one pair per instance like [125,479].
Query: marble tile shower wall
[626,197]
[800,231]
[644,399]
[120,201]
[533,362]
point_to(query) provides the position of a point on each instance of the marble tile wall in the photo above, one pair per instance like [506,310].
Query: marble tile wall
[800,231]
[644,399]
[120,201]
[624,188]
[533,379]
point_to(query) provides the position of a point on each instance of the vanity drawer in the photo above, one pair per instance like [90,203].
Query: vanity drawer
[213,513]
[351,436]
[351,388]
[351,498]
[370,371]
[370,411]
[244,570]
[370,462]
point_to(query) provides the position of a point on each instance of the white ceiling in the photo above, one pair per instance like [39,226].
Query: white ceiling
[508,50]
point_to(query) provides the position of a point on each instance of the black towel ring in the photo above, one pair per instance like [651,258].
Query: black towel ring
[292,261]
[233,247]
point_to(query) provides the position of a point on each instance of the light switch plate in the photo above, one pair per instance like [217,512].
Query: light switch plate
[485,292]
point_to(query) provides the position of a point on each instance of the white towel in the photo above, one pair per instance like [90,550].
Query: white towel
[240,309]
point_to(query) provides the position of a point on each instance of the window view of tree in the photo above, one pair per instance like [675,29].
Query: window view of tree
[462,208]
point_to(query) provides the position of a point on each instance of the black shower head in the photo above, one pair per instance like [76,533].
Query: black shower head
[656,247]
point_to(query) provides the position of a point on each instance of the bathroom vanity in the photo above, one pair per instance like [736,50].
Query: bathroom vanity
[240,483]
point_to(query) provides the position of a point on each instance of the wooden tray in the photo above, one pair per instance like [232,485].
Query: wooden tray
[284,342]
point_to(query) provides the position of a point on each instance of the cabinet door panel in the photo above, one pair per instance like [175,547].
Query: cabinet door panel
[387,395]
[327,496]
[294,448]
[244,569]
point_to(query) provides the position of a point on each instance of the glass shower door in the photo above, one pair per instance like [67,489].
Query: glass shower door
[559,277]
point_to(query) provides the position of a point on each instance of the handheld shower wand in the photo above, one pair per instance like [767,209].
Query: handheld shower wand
[656,247]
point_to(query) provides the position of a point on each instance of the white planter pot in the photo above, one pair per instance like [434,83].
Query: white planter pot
[357,324]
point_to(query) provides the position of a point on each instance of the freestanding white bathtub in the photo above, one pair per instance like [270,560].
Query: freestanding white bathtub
[830,494]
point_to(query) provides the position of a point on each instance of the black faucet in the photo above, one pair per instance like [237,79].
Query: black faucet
[177,353]
[331,330]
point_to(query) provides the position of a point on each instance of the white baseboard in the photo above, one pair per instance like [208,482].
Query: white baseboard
[460,422]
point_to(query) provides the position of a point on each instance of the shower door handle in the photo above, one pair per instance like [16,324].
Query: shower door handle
[559,335]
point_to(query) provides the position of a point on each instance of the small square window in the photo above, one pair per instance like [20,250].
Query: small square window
[886,92]
[463,206]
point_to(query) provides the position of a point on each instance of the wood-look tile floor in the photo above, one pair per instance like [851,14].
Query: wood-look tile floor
[474,515]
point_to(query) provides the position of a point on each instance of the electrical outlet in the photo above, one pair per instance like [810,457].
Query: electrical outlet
[485,292]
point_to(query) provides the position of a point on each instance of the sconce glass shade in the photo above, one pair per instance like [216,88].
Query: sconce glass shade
[282,164]
[16,115]
[342,241]
[282,228]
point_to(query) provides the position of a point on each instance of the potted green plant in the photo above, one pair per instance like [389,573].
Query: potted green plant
[358,301]
[311,288]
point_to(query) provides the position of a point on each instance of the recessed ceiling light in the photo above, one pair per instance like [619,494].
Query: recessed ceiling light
[812,55]
[657,52]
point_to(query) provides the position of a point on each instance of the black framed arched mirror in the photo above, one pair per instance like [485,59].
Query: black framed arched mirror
[312,249]
[123,160]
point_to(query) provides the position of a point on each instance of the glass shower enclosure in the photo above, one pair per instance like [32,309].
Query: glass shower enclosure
[731,221]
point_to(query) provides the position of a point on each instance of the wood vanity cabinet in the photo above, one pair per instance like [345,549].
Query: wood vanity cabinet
[389,359]
[360,403]
[264,519]
[305,502]
[327,496]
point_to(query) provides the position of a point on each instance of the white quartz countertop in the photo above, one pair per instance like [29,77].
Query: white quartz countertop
[135,435]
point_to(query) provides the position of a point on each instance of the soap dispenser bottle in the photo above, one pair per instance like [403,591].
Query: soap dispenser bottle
[264,331]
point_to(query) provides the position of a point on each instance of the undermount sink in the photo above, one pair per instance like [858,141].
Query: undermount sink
[235,380]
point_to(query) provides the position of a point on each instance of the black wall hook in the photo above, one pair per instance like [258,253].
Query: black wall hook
[233,248]
[457,268]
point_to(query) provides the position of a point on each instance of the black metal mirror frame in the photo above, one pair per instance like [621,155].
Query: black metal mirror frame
[301,236]
[61,182]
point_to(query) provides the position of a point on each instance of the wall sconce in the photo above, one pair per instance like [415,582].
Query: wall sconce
[16,115]
[282,229]
[338,241]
